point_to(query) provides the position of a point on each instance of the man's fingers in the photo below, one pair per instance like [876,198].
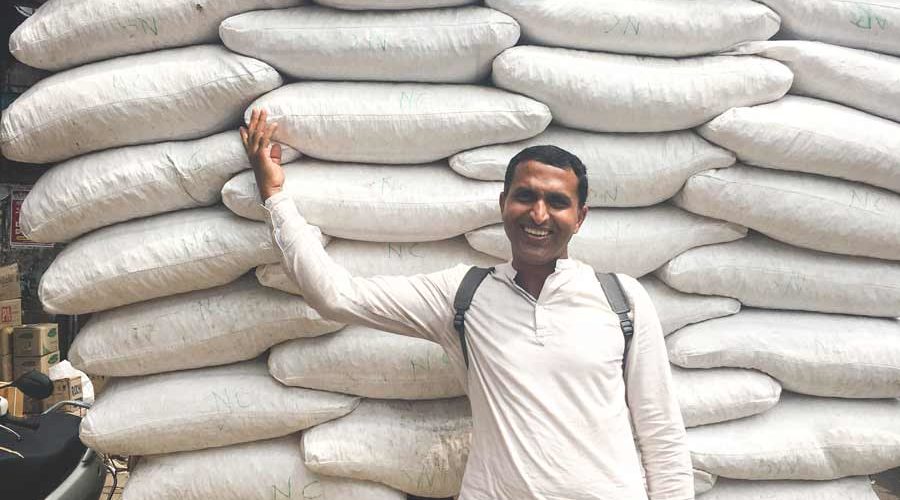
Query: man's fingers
[267,135]
[254,120]
[244,136]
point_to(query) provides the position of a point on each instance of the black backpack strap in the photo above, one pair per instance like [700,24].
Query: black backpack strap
[617,301]
[464,294]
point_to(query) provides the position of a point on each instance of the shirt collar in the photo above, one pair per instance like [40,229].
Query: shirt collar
[508,272]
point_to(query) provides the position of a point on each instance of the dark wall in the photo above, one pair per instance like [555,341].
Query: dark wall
[15,79]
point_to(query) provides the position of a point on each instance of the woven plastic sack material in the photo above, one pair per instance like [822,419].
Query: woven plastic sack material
[398,123]
[623,170]
[391,4]
[103,188]
[761,272]
[676,309]
[102,29]
[440,45]
[857,78]
[809,211]
[363,258]
[365,362]
[634,241]
[802,437]
[221,325]
[418,447]
[154,257]
[818,354]
[618,93]
[252,471]
[194,91]
[809,135]
[205,408]
[676,28]
[703,481]
[862,25]
[851,488]
[375,202]
[722,394]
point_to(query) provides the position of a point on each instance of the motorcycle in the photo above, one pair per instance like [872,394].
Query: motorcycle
[41,457]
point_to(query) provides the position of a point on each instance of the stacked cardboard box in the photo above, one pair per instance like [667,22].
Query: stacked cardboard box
[10,316]
[64,389]
[36,347]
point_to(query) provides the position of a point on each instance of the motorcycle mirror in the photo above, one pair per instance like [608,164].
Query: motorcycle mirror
[35,385]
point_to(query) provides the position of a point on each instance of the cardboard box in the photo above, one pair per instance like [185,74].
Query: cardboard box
[11,312]
[6,367]
[63,389]
[16,401]
[9,282]
[25,364]
[35,340]
[6,346]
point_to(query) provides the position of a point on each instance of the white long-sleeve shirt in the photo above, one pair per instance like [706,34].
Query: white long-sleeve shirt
[545,378]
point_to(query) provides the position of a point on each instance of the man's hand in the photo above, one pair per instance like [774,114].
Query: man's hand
[264,155]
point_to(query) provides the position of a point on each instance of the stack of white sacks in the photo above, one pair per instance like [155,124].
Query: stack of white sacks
[401,116]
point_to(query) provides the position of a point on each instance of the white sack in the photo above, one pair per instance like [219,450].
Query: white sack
[205,408]
[618,93]
[440,45]
[367,362]
[811,353]
[809,135]
[175,94]
[675,28]
[703,481]
[802,437]
[809,211]
[722,394]
[624,170]
[363,258]
[851,488]
[103,188]
[397,123]
[221,325]
[101,29]
[864,25]
[391,4]
[154,257]
[857,78]
[418,447]
[633,241]
[262,470]
[676,309]
[761,272]
[375,202]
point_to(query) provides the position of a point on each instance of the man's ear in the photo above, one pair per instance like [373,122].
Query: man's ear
[582,214]
[502,200]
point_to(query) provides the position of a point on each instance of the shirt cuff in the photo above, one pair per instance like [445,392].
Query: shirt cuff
[273,200]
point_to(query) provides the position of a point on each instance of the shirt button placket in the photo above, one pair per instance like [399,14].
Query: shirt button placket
[540,321]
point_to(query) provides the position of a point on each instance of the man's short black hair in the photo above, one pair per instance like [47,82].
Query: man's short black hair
[553,156]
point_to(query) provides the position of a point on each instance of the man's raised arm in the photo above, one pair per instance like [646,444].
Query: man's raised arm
[419,306]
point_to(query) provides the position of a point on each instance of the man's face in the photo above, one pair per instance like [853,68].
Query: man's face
[540,213]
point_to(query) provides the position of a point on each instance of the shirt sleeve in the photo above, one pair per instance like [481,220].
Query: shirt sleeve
[659,428]
[418,306]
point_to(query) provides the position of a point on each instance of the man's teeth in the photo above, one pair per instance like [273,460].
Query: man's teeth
[537,232]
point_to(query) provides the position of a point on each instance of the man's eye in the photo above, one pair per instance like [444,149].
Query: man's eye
[524,196]
[559,202]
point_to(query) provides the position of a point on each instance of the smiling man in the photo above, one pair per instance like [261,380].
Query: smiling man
[553,407]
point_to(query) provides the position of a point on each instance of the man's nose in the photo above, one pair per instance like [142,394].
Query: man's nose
[539,213]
